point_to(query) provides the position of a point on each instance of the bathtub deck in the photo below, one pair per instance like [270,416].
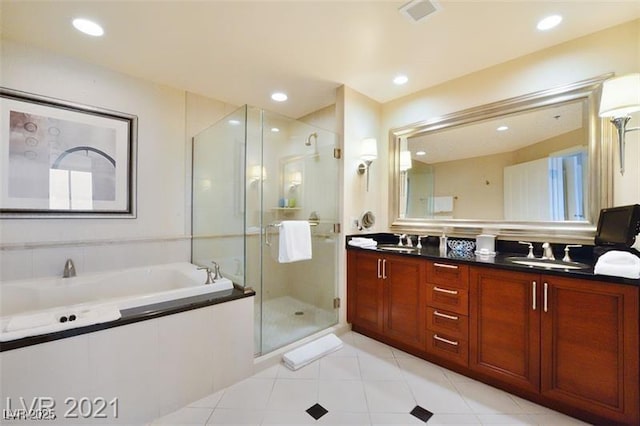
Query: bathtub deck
[137,314]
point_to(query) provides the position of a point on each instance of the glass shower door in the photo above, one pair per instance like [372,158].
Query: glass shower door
[301,184]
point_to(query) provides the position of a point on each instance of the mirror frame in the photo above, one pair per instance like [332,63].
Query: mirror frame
[600,145]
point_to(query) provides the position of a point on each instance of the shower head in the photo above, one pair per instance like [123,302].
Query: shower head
[313,135]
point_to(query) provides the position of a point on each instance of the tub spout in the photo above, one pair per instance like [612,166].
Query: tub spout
[69,269]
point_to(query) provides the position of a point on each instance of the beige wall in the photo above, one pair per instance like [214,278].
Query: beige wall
[476,183]
[167,118]
[616,49]
[544,148]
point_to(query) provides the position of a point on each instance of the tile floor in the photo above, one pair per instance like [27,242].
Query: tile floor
[364,383]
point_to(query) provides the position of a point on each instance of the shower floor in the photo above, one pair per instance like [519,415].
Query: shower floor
[286,319]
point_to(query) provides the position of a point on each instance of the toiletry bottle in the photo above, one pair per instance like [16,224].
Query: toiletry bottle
[443,244]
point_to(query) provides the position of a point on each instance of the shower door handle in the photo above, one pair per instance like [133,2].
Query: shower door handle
[266,234]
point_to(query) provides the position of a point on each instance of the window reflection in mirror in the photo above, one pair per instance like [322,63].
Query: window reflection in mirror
[526,166]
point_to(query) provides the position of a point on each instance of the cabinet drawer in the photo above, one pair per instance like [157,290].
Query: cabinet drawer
[449,323]
[448,347]
[449,274]
[448,298]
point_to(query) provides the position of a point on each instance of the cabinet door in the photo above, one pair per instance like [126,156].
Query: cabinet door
[590,346]
[364,290]
[404,316]
[504,333]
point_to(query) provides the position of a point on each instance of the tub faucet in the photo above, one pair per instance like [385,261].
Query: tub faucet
[69,269]
[208,272]
[216,271]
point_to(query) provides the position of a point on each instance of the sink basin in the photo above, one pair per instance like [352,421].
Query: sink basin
[546,263]
[399,249]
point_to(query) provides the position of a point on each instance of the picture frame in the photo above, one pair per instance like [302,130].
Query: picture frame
[61,159]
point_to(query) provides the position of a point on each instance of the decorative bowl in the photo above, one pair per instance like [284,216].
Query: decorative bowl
[461,246]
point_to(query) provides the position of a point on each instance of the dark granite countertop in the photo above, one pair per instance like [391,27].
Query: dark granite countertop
[137,314]
[504,250]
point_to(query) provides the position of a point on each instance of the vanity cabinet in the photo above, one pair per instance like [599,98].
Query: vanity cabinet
[573,342]
[505,327]
[447,326]
[385,296]
[589,347]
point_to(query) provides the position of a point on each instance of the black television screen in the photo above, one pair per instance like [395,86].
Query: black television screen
[618,226]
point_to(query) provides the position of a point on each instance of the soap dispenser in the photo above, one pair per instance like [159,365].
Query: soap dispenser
[443,244]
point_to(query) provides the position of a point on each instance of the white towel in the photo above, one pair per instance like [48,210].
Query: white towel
[443,204]
[363,242]
[618,264]
[295,241]
[312,351]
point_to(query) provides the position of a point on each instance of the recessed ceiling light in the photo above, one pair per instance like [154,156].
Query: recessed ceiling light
[279,96]
[234,122]
[421,153]
[549,22]
[502,128]
[400,79]
[88,27]
[275,129]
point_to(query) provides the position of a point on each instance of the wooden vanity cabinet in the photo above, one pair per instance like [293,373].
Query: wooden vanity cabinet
[385,296]
[589,347]
[447,327]
[505,327]
[573,342]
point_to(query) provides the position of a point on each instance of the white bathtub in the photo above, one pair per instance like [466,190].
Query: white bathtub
[32,307]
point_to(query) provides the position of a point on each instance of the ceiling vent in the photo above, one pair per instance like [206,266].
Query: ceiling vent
[417,10]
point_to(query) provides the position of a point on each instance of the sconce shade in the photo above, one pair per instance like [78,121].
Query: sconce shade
[405,160]
[369,149]
[257,173]
[620,96]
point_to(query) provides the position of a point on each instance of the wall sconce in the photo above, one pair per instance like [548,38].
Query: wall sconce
[257,173]
[369,153]
[621,97]
[405,160]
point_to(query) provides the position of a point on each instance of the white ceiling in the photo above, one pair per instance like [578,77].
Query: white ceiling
[240,51]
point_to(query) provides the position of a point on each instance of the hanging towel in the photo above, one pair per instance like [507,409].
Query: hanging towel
[312,351]
[295,241]
[618,264]
[443,204]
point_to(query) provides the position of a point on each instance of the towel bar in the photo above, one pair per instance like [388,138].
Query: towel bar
[278,225]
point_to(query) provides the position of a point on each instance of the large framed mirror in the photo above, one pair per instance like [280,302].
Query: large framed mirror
[537,166]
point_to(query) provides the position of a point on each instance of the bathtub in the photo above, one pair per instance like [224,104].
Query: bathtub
[40,306]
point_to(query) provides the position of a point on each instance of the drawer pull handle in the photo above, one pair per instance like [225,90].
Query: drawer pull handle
[379,274]
[451,317]
[444,290]
[442,265]
[534,296]
[384,269]
[546,298]
[441,339]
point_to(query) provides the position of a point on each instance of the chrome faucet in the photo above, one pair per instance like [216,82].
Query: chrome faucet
[69,269]
[208,272]
[216,271]
[547,252]
[400,238]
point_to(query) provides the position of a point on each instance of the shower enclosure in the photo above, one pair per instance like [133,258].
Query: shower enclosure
[251,171]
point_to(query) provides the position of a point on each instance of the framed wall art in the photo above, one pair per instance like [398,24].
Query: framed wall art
[63,159]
